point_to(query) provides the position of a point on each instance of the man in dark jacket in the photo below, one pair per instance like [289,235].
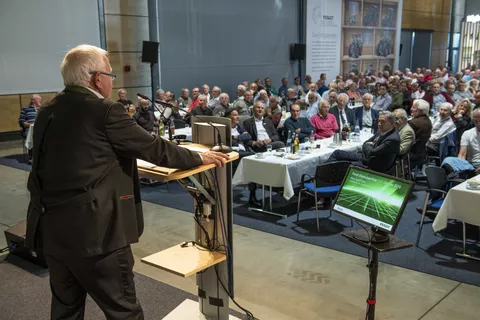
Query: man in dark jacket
[422,126]
[85,208]
[144,117]
[262,130]
[380,151]
[345,116]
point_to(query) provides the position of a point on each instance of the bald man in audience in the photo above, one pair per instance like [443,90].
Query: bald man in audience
[223,105]
[201,109]
[297,124]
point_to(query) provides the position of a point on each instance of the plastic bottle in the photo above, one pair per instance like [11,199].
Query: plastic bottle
[288,147]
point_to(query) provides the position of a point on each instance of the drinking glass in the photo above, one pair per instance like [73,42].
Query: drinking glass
[269,148]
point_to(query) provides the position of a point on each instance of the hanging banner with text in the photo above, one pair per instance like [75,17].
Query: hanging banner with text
[323,37]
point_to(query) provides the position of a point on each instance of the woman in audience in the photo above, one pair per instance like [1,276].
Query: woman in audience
[462,117]
[352,92]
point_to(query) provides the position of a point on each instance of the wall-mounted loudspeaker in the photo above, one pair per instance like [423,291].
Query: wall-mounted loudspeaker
[297,51]
[150,52]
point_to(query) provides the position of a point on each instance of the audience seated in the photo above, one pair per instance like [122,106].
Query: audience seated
[366,116]
[122,98]
[324,122]
[240,136]
[422,126]
[462,114]
[442,126]
[223,105]
[352,92]
[290,99]
[470,143]
[195,94]
[311,106]
[144,116]
[332,97]
[297,124]
[406,133]
[271,90]
[397,97]
[380,151]
[344,115]
[215,98]
[436,97]
[261,130]
[383,100]
[28,114]
[206,92]
[273,112]
[202,108]
[299,91]
[243,105]
[184,101]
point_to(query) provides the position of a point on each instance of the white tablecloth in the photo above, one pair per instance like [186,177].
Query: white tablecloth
[29,140]
[280,172]
[461,204]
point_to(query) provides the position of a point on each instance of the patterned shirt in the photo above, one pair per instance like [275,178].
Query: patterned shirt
[28,114]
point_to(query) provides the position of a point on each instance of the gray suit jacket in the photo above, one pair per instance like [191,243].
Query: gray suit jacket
[407,138]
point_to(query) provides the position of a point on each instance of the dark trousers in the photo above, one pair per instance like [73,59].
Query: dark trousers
[107,278]
[355,158]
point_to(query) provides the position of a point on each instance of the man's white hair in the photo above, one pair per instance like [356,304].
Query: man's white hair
[368,95]
[81,60]
[242,88]
[223,95]
[401,113]
[422,105]
[343,95]
[447,105]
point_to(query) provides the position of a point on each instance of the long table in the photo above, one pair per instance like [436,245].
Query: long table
[275,171]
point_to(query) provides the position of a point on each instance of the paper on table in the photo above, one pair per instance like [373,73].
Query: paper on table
[145,164]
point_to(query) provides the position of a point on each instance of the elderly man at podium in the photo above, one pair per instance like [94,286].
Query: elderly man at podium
[85,208]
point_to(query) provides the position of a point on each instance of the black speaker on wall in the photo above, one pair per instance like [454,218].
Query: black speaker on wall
[297,51]
[150,52]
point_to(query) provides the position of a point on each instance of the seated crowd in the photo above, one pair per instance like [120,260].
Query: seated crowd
[439,105]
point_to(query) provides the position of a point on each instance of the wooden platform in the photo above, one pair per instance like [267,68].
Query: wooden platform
[151,171]
[186,261]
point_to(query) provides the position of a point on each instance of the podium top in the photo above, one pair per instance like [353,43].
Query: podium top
[151,171]
[395,243]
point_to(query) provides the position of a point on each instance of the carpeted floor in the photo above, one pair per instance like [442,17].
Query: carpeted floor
[25,294]
[435,254]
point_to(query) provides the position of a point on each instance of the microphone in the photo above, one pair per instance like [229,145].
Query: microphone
[219,146]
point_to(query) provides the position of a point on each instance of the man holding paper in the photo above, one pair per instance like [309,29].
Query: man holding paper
[85,208]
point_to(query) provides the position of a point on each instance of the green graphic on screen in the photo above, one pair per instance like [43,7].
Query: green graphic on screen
[373,196]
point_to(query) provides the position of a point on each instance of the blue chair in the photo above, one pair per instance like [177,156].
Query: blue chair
[437,188]
[326,184]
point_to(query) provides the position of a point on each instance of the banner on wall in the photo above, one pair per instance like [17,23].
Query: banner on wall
[323,38]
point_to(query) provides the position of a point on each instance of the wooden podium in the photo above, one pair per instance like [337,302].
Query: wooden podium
[211,189]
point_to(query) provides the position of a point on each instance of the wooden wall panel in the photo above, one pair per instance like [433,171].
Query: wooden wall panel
[126,33]
[126,7]
[139,76]
[10,110]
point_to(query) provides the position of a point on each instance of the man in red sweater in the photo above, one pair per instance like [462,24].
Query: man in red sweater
[325,123]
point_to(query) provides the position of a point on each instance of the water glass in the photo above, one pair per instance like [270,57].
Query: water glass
[269,148]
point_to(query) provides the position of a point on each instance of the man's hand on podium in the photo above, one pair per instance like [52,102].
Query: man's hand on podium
[216,158]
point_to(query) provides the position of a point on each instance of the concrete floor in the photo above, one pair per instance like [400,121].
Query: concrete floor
[278,278]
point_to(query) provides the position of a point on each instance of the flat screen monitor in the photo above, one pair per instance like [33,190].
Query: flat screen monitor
[373,198]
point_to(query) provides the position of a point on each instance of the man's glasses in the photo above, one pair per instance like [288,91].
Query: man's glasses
[113,76]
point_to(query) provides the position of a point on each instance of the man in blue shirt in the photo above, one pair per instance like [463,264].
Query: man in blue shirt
[321,87]
[282,91]
[297,124]
[29,113]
